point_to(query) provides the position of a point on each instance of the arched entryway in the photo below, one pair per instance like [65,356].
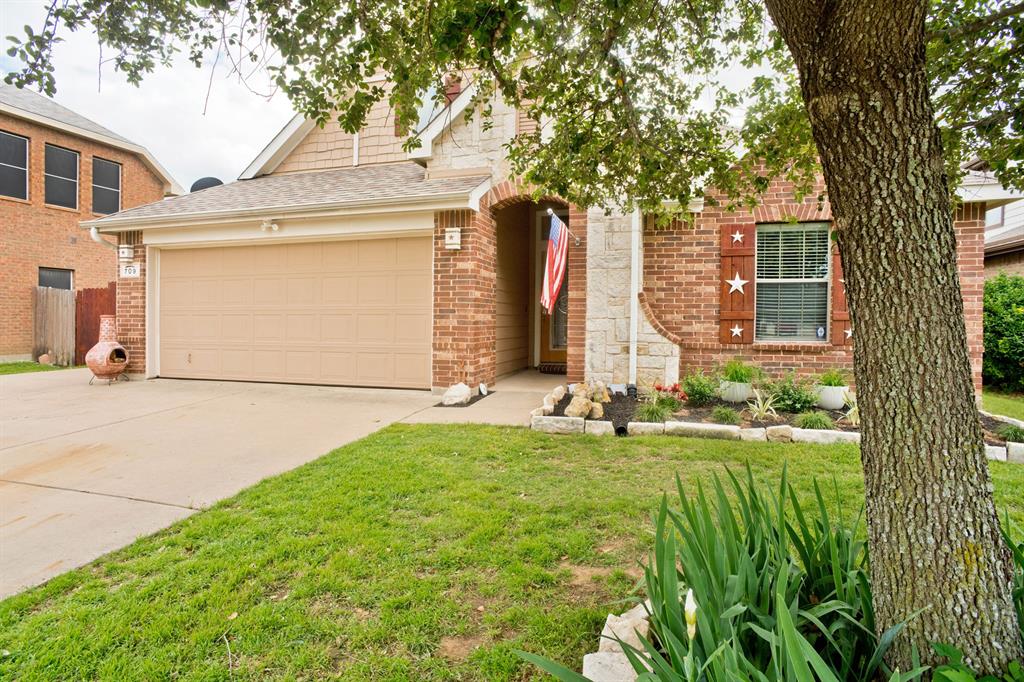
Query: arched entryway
[487,317]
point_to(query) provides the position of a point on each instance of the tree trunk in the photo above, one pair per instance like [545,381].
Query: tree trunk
[937,558]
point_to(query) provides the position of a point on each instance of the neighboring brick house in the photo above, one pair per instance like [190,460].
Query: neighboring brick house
[1004,239]
[58,168]
[341,259]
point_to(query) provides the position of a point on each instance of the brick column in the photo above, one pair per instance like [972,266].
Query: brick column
[131,307]
[969,221]
[464,300]
[577,272]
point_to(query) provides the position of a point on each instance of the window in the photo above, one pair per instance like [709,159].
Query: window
[55,278]
[13,166]
[106,186]
[791,299]
[61,177]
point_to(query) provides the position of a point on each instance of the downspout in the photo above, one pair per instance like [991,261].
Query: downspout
[95,234]
[635,274]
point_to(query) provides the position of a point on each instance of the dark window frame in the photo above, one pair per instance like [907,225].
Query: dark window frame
[120,183]
[77,178]
[70,274]
[803,282]
[28,161]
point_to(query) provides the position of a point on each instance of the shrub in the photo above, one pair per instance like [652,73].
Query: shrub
[651,411]
[739,372]
[814,420]
[792,394]
[780,590]
[833,377]
[762,407]
[1012,433]
[700,389]
[1003,364]
[725,415]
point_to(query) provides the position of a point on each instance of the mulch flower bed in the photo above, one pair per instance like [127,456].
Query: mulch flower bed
[620,412]
[475,399]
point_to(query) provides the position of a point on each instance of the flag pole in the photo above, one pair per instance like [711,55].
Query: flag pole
[551,212]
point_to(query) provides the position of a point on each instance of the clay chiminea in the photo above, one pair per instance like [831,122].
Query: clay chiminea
[107,359]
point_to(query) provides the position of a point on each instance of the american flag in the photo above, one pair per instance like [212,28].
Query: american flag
[554,269]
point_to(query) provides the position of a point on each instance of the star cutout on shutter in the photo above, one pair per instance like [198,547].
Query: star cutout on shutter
[737,330]
[849,333]
[736,284]
[737,236]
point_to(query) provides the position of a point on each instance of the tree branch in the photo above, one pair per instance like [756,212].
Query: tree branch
[976,26]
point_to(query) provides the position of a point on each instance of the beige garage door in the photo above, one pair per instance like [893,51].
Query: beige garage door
[347,312]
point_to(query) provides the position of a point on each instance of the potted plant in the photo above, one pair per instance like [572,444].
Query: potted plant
[737,381]
[832,390]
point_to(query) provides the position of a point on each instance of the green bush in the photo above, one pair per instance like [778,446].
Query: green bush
[792,395]
[739,372]
[668,400]
[700,389]
[833,377]
[651,411]
[1003,365]
[1012,433]
[725,415]
[814,420]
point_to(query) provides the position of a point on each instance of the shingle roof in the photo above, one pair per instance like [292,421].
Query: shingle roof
[276,193]
[34,103]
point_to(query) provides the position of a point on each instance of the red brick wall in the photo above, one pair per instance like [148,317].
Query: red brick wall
[34,235]
[682,281]
[131,306]
[1010,263]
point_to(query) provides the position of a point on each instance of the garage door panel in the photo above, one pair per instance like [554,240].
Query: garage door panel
[268,291]
[302,291]
[300,329]
[347,312]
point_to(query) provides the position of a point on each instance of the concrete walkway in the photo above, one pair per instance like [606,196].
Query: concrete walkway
[510,402]
[87,469]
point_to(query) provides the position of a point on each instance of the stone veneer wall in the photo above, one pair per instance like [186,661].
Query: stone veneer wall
[608,310]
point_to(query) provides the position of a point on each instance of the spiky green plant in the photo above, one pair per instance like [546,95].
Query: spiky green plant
[725,415]
[761,407]
[852,415]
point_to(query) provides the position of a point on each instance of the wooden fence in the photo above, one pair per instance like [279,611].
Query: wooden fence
[54,324]
[89,305]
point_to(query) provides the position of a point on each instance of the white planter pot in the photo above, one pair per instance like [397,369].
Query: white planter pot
[735,392]
[832,397]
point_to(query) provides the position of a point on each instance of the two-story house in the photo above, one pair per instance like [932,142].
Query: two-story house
[339,258]
[58,168]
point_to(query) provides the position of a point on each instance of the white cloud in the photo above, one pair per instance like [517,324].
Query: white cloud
[165,113]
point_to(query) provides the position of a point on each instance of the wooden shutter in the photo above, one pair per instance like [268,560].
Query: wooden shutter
[737,309]
[840,312]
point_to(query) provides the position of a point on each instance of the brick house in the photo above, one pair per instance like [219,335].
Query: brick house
[342,259]
[58,168]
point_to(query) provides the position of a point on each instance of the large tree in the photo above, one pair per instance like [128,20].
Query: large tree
[648,100]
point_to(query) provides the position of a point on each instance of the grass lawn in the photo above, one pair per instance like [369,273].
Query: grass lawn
[1006,404]
[25,366]
[419,553]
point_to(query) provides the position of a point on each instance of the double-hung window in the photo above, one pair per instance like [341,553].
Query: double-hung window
[61,177]
[13,165]
[106,186]
[791,302]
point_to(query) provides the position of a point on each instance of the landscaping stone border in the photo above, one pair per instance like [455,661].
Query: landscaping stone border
[609,663]
[541,420]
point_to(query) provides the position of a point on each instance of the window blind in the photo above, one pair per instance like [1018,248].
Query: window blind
[792,265]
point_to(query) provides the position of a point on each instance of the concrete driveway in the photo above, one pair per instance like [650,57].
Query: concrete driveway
[87,469]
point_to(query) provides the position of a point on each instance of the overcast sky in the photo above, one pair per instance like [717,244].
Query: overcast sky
[165,113]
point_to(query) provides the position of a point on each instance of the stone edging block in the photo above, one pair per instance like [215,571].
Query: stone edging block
[645,428]
[557,424]
[702,430]
[598,427]
[824,436]
[1015,453]
[996,452]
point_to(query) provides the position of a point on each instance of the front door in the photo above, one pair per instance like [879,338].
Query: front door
[554,327]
